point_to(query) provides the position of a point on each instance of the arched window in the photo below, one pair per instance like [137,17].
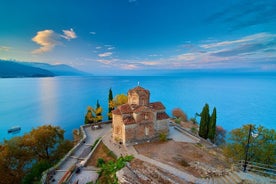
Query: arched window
[146,131]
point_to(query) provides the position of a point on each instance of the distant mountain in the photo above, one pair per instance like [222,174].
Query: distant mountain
[10,69]
[58,70]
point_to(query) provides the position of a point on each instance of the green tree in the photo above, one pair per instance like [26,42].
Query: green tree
[98,112]
[43,141]
[204,122]
[36,171]
[89,117]
[261,149]
[120,100]
[15,159]
[212,125]
[108,169]
[110,104]
[31,154]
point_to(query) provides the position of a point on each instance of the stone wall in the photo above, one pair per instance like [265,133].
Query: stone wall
[161,126]
[139,132]
[117,128]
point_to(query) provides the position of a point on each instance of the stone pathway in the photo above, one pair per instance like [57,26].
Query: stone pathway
[233,177]
[122,150]
[180,136]
[80,154]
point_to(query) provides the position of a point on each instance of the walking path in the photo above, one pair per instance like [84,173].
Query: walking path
[122,150]
[80,154]
[88,174]
[233,177]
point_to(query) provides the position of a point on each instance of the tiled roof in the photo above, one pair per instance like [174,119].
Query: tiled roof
[125,109]
[162,115]
[128,119]
[116,111]
[139,90]
[157,106]
[142,108]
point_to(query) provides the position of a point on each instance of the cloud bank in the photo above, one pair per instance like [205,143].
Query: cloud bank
[69,34]
[106,54]
[48,39]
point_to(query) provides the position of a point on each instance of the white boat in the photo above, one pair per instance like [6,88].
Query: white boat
[14,129]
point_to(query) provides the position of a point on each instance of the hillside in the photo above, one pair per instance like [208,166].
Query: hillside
[13,69]
[58,70]
[10,69]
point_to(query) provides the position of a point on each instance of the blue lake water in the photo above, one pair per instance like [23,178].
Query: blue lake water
[62,101]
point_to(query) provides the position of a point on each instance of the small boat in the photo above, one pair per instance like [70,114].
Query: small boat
[14,129]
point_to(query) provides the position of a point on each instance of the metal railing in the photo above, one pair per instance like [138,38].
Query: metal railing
[259,168]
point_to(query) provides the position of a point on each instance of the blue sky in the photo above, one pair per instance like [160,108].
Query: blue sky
[115,37]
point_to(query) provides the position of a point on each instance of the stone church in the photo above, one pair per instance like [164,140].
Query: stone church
[139,120]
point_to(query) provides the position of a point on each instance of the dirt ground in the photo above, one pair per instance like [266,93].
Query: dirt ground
[140,172]
[101,152]
[180,154]
[188,125]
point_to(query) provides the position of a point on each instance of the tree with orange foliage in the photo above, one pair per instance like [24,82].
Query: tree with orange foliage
[178,113]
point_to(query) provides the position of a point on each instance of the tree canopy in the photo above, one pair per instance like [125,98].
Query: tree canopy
[261,149]
[178,113]
[120,100]
[110,104]
[207,126]
[212,125]
[40,148]
[93,115]
[204,122]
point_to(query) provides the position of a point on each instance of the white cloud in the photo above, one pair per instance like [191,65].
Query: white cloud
[47,39]
[187,56]
[4,48]
[69,34]
[260,37]
[150,63]
[106,54]
[98,47]
[129,67]
[105,61]
[110,48]
[92,32]
[155,55]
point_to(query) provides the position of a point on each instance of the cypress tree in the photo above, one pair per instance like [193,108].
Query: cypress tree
[212,125]
[204,122]
[110,107]
[98,112]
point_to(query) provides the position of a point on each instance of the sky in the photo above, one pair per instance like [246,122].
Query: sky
[117,37]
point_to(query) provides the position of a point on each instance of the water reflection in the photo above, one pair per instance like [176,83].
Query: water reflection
[47,89]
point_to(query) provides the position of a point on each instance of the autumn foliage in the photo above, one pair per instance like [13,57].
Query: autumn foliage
[178,113]
[22,157]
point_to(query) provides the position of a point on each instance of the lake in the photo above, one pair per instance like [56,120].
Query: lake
[63,101]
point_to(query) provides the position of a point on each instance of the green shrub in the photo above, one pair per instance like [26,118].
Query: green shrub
[109,169]
[177,120]
[194,130]
[163,137]
[184,163]
[100,162]
[193,120]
